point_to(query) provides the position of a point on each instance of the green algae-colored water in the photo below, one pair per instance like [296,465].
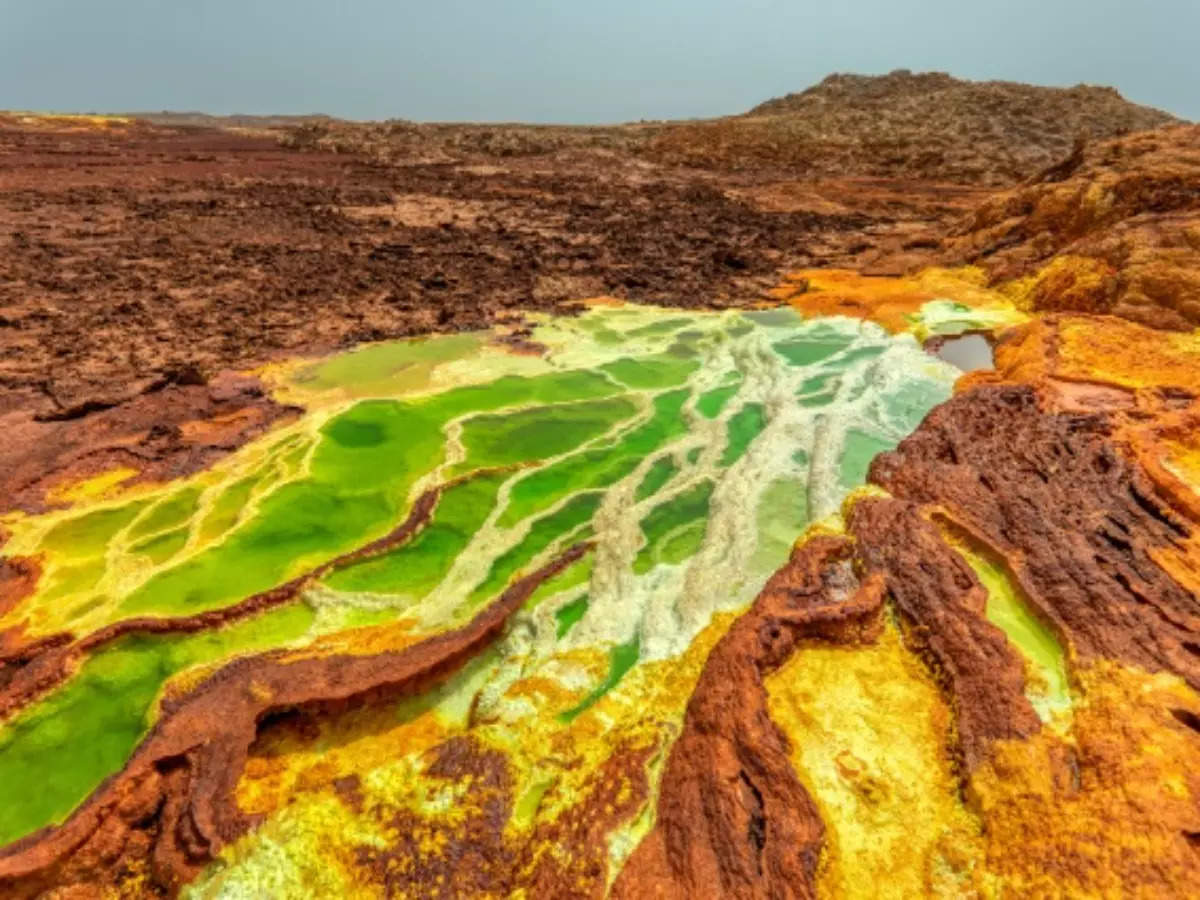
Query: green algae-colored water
[1047,684]
[690,448]
[621,659]
[89,728]
[570,613]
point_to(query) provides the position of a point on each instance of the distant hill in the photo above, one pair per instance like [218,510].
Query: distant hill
[925,126]
[236,120]
[905,124]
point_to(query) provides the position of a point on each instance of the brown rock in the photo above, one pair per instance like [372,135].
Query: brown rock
[733,819]
[1079,523]
[168,430]
[943,607]
[1117,230]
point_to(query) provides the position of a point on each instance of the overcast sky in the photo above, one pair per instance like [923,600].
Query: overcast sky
[566,60]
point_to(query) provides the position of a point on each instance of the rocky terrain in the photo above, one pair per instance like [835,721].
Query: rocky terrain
[595,599]
[383,230]
[926,126]
[133,251]
[1112,228]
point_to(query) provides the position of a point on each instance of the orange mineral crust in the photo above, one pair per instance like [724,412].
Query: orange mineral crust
[842,292]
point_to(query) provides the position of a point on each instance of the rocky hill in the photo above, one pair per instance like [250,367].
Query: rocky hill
[925,125]
[1114,228]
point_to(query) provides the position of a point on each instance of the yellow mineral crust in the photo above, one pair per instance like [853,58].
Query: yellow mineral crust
[93,488]
[65,121]
[1100,349]
[1075,283]
[870,737]
[346,783]
[1113,809]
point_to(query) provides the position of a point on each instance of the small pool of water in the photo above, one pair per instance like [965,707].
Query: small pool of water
[1048,684]
[968,352]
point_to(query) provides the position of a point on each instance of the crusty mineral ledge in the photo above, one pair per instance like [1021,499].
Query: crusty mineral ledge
[1081,525]
[160,429]
[29,669]
[1114,228]
[943,608]
[733,818]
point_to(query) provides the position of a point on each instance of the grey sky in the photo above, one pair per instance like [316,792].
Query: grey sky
[565,60]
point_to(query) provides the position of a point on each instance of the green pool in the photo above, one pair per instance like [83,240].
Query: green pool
[691,449]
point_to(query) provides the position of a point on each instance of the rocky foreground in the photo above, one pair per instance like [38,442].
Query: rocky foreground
[978,674]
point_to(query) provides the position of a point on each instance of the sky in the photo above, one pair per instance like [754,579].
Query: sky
[569,61]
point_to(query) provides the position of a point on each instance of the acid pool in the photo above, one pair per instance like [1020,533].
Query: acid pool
[691,449]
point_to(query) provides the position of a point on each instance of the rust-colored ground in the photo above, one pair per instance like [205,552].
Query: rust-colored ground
[135,251]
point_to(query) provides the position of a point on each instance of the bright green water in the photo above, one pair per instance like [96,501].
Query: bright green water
[713,401]
[576,574]
[1048,685]
[569,614]
[691,448]
[809,350]
[598,467]
[742,428]
[662,471]
[674,529]
[536,434]
[170,513]
[53,754]
[227,508]
[651,373]
[622,658]
[544,532]
[416,568]
[88,535]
